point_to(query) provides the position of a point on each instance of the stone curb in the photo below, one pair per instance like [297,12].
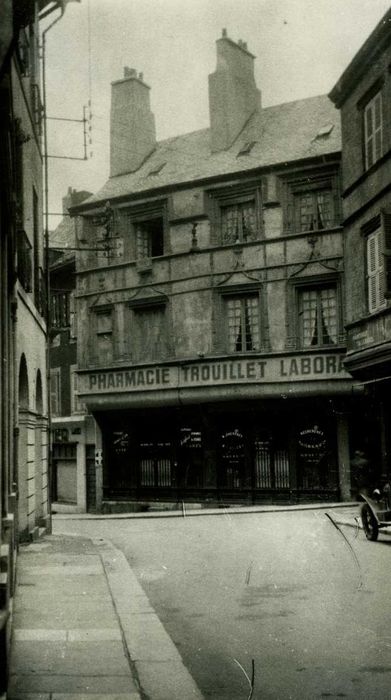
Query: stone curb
[203,511]
[155,660]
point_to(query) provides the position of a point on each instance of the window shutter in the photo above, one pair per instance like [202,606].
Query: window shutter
[386,225]
[372,257]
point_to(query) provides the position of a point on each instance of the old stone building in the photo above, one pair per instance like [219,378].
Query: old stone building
[363,94]
[73,431]
[211,321]
[24,509]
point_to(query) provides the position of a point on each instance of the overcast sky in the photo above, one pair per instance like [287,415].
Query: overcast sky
[301,49]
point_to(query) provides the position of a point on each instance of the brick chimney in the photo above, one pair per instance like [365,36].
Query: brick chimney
[233,94]
[132,124]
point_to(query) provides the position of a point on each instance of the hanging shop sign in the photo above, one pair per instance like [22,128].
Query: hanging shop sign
[296,368]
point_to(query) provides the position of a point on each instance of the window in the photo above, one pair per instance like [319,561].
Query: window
[72,315]
[375,271]
[55,394]
[313,210]
[311,202]
[77,406]
[149,238]
[60,313]
[243,324]
[238,222]
[104,335]
[24,261]
[373,130]
[318,316]
[149,337]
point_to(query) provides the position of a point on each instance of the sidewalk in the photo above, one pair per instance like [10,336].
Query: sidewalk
[83,629]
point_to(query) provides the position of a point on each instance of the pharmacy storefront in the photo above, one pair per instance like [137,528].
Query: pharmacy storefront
[259,429]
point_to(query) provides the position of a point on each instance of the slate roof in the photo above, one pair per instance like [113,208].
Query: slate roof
[282,133]
[62,237]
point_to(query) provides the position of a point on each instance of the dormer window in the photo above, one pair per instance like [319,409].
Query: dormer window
[246,148]
[157,169]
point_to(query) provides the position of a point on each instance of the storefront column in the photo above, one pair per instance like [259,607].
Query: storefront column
[81,479]
[343,457]
[98,468]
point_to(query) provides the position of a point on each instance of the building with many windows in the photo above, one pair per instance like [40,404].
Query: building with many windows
[73,431]
[24,488]
[363,94]
[211,318]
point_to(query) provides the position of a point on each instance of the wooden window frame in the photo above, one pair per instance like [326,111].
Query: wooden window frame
[220,198]
[370,152]
[311,183]
[55,372]
[294,339]
[222,339]
[77,406]
[140,305]
[378,231]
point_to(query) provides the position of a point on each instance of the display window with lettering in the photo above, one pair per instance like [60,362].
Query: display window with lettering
[315,457]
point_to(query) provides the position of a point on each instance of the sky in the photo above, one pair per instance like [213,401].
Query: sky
[301,47]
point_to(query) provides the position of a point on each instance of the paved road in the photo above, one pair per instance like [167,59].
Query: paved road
[285,590]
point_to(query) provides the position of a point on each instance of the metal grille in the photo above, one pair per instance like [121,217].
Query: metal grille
[155,466]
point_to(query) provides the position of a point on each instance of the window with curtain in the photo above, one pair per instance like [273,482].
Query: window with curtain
[238,222]
[318,316]
[243,323]
[314,210]
[373,130]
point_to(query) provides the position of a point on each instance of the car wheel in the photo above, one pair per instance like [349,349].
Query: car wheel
[369,523]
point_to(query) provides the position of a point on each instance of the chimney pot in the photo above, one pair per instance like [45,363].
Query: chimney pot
[224,33]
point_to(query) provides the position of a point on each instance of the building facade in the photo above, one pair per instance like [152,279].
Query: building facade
[363,94]
[23,407]
[73,431]
[211,316]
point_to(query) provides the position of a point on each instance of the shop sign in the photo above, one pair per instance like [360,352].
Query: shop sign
[296,368]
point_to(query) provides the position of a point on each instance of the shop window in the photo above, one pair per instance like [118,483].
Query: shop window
[242,322]
[190,462]
[232,459]
[149,238]
[373,130]
[149,336]
[155,463]
[77,406]
[318,316]
[271,463]
[55,391]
